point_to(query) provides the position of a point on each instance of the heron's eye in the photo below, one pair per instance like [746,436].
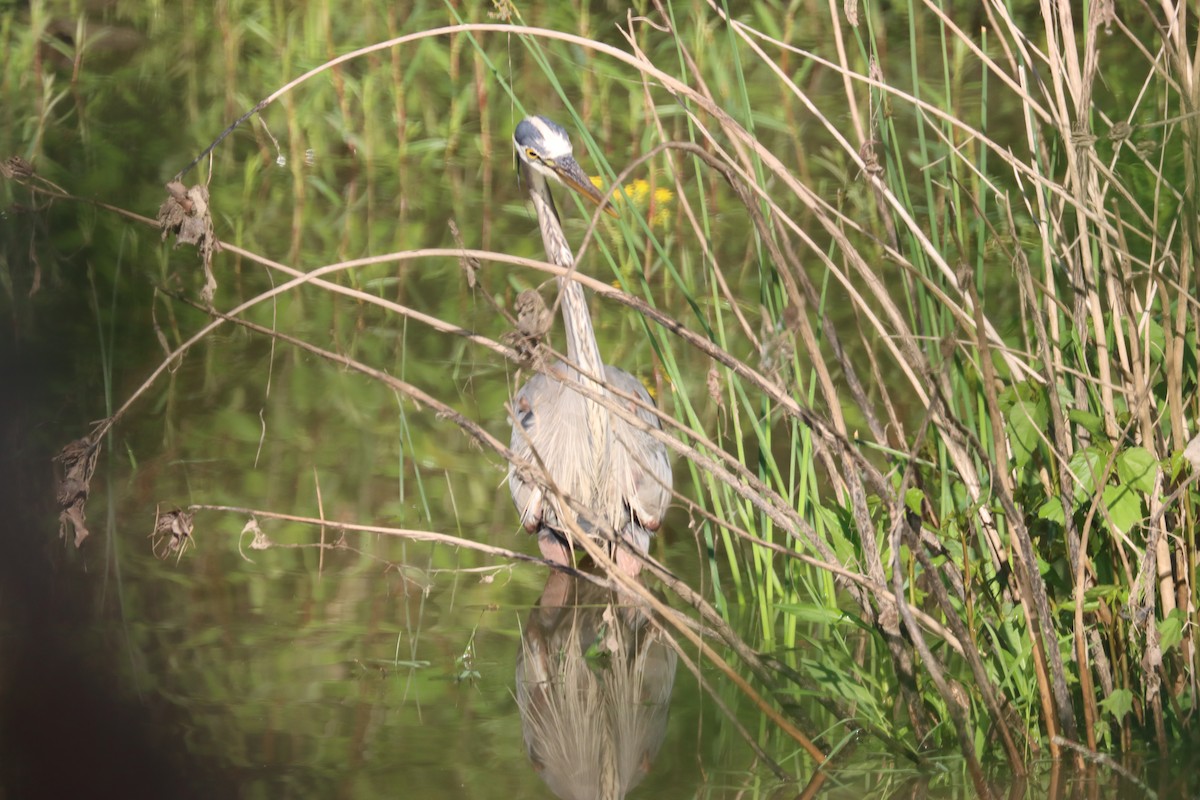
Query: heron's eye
[531,154]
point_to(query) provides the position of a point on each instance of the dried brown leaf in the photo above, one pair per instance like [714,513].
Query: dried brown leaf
[172,532]
[533,323]
[260,541]
[16,167]
[186,214]
[77,463]
[533,318]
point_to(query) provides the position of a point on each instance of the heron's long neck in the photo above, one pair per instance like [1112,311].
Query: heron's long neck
[582,349]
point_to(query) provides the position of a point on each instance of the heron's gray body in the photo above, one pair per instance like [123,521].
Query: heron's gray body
[613,468]
[630,495]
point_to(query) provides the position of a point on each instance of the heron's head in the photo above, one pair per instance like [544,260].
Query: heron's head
[545,149]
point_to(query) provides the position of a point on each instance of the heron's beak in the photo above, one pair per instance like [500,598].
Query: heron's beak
[569,172]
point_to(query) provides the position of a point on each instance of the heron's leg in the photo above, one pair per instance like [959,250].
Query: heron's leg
[554,549]
[627,562]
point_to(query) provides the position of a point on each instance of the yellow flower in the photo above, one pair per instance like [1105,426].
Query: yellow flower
[656,209]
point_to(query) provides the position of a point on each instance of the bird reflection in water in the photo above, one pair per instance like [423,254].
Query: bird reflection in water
[594,680]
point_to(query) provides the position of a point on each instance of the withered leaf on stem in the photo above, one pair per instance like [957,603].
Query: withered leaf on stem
[174,530]
[533,323]
[186,214]
[16,167]
[77,462]
[260,541]
[533,318]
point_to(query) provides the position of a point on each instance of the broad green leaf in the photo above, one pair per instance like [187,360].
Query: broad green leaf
[1025,424]
[912,500]
[1086,465]
[1156,339]
[1124,507]
[1178,466]
[1092,423]
[1118,704]
[1137,468]
[1170,630]
[1113,593]
[949,539]
[1052,510]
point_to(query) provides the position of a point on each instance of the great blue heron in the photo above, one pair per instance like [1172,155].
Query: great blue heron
[615,470]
